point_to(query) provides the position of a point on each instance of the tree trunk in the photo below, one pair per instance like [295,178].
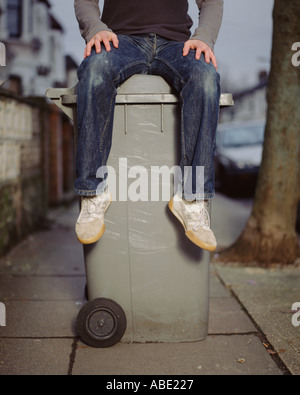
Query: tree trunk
[269,235]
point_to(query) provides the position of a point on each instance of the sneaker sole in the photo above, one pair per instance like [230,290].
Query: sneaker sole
[189,233]
[96,238]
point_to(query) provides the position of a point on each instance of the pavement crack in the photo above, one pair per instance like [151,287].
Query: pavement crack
[72,356]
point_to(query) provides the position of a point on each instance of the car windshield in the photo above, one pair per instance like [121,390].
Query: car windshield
[247,135]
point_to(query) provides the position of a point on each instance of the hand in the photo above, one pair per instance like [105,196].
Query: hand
[200,47]
[104,37]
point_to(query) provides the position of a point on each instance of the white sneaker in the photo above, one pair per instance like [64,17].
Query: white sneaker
[195,219]
[90,223]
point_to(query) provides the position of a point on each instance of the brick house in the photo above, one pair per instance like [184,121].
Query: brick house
[33,40]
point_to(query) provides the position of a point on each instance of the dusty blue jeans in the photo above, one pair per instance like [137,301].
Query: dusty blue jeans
[198,86]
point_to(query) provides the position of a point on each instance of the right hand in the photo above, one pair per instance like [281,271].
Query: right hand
[104,37]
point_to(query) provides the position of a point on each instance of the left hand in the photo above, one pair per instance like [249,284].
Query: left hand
[200,47]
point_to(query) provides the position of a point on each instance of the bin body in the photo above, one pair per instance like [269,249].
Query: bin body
[144,261]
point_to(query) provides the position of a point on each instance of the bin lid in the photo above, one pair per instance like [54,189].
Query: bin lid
[139,88]
[142,88]
[147,84]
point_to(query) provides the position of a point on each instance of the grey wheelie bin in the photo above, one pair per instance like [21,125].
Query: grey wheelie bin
[146,282]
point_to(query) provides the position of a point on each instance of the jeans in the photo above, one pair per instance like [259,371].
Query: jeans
[196,82]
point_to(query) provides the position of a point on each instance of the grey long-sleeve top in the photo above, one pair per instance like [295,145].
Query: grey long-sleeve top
[88,15]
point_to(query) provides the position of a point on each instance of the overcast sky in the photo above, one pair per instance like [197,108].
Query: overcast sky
[243,47]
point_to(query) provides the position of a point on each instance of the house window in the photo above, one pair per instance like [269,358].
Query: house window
[14,18]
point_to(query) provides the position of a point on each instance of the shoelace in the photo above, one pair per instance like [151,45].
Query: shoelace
[88,210]
[199,214]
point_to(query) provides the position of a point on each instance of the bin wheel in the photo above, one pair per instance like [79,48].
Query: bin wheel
[101,323]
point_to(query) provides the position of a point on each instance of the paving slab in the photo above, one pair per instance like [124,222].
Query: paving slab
[216,288]
[227,316]
[36,319]
[217,355]
[36,288]
[268,296]
[55,251]
[35,356]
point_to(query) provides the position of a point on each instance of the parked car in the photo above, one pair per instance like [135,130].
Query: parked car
[238,154]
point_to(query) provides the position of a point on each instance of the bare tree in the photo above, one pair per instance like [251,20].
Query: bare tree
[269,235]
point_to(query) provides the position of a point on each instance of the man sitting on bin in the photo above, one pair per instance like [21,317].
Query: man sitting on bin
[148,37]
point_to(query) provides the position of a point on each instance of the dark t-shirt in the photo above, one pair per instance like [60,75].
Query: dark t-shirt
[168,18]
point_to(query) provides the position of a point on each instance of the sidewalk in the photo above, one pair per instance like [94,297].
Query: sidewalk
[42,284]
